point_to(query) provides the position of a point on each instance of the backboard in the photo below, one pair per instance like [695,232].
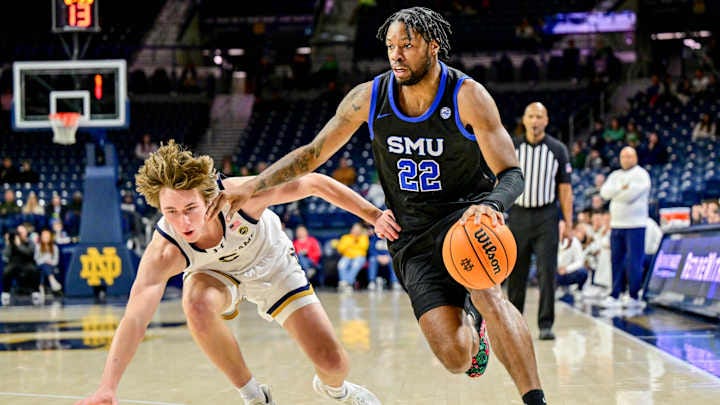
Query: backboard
[97,89]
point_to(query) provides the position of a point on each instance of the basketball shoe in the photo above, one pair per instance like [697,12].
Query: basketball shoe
[265,400]
[481,358]
[354,394]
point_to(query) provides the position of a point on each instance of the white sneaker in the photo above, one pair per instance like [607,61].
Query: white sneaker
[633,303]
[397,286]
[37,298]
[380,282]
[371,286]
[5,299]
[610,302]
[262,401]
[354,394]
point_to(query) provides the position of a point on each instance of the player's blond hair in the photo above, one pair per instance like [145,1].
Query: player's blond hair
[175,167]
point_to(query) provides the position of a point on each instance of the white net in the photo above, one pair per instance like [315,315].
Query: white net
[64,126]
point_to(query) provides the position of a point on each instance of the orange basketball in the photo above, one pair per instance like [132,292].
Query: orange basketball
[479,256]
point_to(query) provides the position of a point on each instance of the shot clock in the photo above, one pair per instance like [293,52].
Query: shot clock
[75,16]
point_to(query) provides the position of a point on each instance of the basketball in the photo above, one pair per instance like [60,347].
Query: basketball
[479,256]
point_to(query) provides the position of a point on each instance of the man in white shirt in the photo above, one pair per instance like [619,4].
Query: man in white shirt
[628,190]
[653,237]
[571,261]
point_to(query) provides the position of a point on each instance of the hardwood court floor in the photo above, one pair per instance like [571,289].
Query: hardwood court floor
[55,354]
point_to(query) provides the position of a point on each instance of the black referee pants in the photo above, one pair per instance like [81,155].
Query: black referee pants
[536,232]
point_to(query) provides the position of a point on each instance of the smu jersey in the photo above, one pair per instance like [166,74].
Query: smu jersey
[247,250]
[429,166]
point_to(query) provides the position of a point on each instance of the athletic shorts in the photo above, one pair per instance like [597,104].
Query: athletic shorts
[420,269]
[277,294]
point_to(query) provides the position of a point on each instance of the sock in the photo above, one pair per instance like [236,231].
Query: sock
[336,392]
[251,390]
[534,397]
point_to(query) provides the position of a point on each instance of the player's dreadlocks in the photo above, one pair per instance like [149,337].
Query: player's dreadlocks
[430,24]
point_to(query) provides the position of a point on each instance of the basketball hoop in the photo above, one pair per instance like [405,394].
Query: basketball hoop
[64,126]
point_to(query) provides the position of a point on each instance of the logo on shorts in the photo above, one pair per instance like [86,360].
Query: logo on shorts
[445,113]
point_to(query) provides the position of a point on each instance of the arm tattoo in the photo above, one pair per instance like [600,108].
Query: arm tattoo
[295,164]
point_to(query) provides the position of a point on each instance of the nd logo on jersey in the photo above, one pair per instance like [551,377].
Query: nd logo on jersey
[96,267]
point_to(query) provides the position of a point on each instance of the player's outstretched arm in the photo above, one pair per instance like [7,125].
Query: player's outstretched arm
[155,269]
[330,190]
[350,114]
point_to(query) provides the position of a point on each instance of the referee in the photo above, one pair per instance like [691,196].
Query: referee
[534,217]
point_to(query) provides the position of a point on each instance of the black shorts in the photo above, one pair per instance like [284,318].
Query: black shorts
[420,269]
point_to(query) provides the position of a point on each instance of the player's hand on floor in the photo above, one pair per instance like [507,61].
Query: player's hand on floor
[478,210]
[386,227]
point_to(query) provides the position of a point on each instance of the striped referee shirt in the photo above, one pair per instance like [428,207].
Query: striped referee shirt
[544,165]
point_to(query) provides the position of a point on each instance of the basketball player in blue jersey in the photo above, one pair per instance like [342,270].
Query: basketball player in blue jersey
[442,154]
[225,258]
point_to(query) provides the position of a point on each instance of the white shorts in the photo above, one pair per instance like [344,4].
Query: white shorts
[278,294]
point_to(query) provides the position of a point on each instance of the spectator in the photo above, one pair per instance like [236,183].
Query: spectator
[713,215]
[260,166]
[653,237]
[700,82]
[47,257]
[145,147]
[8,172]
[631,133]
[353,248]
[704,129]
[597,203]
[684,92]
[578,155]
[594,161]
[9,205]
[59,235]
[308,251]
[55,210]
[27,174]
[595,139]
[598,256]
[379,257]
[654,153]
[655,90]
[228,167]
[32,206]
[628,190]
[527,36]
[345,173]
[571,263]
[20,268]
[598,181]
[615,132]
[711,211]
[696,215]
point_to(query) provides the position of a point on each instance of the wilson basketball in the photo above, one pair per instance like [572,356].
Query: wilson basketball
[479,256]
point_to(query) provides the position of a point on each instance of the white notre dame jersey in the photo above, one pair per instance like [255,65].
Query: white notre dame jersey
[247,251]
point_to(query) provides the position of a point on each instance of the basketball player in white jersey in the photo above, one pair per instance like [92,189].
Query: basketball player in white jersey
[228,257]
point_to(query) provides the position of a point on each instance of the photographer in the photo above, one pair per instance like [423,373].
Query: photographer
[20,266]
